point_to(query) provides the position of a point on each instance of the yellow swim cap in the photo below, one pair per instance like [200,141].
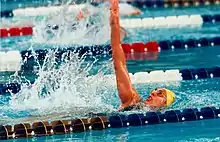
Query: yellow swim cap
[170,97]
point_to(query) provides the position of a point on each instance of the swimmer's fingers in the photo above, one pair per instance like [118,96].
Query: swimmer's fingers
[114,3]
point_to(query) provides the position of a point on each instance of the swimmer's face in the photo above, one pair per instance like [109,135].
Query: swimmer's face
[157,98]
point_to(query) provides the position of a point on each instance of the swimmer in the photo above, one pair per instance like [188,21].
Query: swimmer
[130,99]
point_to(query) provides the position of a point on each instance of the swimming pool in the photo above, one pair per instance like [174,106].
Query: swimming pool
[201,92]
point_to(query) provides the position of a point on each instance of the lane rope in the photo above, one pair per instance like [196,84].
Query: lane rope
[173,3]
[16,31]
[23,60]
[40,11]
[102,121]
[151,22]
[170,21]
[171,75]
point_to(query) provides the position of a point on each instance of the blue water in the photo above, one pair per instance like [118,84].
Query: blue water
[197,93]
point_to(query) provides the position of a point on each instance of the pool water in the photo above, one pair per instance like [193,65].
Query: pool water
[190,94]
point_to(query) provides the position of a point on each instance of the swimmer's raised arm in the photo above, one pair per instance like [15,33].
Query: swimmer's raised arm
[127,93]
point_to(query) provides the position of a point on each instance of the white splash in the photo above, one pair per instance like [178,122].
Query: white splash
[94,29]
[64,89]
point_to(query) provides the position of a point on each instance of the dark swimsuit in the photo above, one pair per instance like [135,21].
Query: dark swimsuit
[137,107]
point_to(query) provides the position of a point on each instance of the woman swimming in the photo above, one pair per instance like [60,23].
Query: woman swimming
[130,99]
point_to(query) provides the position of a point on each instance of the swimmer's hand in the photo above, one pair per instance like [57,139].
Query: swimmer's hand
[114,16]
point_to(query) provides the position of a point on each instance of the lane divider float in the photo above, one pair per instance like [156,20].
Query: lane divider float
[170,21]
[155,22]
[16,31]
[143,77]
[41,11]
[45,128]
